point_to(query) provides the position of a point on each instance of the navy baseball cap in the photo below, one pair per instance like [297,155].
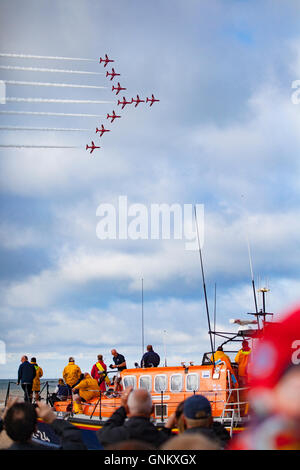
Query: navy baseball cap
[196,407]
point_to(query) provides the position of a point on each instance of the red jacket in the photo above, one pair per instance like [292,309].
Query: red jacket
[96,375]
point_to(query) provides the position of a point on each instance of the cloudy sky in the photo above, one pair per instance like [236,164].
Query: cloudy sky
[225,134]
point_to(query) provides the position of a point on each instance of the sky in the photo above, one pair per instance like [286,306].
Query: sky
[224,135]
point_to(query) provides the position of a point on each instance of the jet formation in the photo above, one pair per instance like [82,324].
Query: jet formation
[121,103]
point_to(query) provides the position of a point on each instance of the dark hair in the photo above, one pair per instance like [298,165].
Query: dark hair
[33,359]
[20,422]
[179,409]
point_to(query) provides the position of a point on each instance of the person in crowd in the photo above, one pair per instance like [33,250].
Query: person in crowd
[198,418]
[150,358]
[219,357]
[71,373]
[131,444]
[98,372]
[242,359]
[119,364]
[86,390]
[26,375]
[61,393]
[179,421]
[137,407]
[274,380]
[189,442]
[20,423]
[36,385]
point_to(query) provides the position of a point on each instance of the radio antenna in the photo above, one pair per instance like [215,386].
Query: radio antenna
[252,280]
[215,315]
[142,316]
[204,288]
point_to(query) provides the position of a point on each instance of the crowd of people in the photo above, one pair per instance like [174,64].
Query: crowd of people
[83,386]
[274,403]
[130,426]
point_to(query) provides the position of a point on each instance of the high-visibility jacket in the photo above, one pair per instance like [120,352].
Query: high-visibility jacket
[242,359]
[36,384]
[88,388]
[101,369]
[71,374]
[98,369]
[220,356]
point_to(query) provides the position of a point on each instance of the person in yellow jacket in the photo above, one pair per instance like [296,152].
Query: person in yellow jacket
[220,356]
[36,385]
[87,389]
[71,373]
[242,359]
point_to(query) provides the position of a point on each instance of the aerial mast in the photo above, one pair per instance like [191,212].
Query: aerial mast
[204,288]
[142,316]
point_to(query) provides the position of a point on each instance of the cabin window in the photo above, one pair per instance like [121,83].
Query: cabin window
[160,383]
[145,382]
[176,383]
[161,411]
[129,381]
[192,382]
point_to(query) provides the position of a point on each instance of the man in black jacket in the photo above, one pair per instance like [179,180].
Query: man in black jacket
[20,423]
[26,374]
[150,358]
[137,406]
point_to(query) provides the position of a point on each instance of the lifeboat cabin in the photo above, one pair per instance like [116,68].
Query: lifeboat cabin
[168,387]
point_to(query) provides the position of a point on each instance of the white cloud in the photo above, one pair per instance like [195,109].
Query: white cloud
[15,236]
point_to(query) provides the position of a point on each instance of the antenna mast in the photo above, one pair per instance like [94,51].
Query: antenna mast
[142,316]
[252,281]
[204,288]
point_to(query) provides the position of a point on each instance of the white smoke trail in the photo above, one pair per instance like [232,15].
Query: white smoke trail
[51,114]
[37,69]
[48,100]
[67,85]
[27,56]
[40,146]
[67,129]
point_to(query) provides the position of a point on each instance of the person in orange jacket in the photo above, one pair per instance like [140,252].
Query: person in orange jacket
[242,360]
[87,389]
[71,373]
[36,385]
[220,356]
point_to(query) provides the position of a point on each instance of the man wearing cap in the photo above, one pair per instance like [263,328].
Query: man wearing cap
[198,419]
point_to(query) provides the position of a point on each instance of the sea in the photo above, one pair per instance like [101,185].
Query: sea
[16,390]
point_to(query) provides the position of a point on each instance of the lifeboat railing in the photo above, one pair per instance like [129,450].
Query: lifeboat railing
[44,387]
[231,409]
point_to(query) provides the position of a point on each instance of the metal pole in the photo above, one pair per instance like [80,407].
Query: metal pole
[142,316]
[215,314]
[204,288]
[253,284]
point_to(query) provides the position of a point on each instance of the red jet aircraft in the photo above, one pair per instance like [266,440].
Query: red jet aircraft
[113,73]
[92,147]
[102,130]
[124,102]
[119,88]
[137,101]
[114,116]
[106,60]
[152,100]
